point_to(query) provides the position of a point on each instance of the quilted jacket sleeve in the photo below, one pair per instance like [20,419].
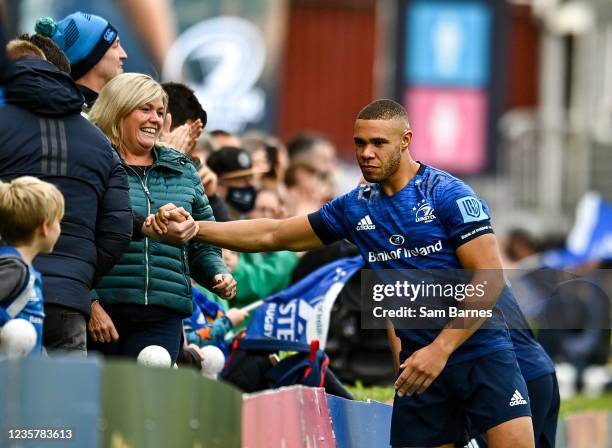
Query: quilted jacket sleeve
[205,260]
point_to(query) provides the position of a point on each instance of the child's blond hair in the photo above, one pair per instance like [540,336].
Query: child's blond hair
[25,204]
[18,48]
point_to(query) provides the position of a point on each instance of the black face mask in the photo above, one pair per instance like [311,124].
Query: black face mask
[241,198]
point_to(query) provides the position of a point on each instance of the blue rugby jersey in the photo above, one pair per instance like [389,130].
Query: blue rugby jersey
[531,356]
[33,311]
[419,227]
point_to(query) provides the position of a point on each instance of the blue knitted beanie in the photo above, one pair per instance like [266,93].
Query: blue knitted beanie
[84,38]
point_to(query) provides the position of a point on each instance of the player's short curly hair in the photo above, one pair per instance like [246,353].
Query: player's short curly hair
[383,109]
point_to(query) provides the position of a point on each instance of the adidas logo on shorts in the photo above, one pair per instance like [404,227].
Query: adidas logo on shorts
[517,399]
[365,223]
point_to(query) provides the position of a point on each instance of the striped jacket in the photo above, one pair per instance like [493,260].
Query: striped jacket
[43,134]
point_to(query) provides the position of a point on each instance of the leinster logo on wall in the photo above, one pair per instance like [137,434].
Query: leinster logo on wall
[222,59]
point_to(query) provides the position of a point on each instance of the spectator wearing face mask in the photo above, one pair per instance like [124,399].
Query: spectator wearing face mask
[234,169]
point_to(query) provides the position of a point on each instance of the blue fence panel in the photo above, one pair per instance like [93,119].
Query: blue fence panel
[41,393]
[358,424]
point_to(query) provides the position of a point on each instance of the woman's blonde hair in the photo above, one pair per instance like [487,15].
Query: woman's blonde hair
[119,97]
[25,204]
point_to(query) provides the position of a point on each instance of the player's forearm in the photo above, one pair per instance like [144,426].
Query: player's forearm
[450,339]
[255,235]
[460,329]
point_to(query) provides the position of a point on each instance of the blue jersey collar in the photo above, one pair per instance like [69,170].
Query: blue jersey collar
[9,250]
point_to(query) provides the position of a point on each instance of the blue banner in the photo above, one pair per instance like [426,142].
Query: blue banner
[591,237]
[301,312]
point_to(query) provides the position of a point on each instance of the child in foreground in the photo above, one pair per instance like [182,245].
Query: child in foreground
[30,215]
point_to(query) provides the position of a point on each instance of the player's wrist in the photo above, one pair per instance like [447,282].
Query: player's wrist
[444,345]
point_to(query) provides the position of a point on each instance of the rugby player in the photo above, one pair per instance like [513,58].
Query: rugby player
[448,375]
[538,370]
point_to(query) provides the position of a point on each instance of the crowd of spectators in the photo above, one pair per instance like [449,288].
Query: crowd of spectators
[120,145]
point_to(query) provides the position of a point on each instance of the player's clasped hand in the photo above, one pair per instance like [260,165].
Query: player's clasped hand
[420,370]
[166,213]
[178,227]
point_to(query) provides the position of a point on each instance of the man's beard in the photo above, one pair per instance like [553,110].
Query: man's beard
[388,169]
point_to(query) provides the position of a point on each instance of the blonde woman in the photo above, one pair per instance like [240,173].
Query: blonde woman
[148,293]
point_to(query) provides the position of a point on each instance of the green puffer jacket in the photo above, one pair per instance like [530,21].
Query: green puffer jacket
[157,273]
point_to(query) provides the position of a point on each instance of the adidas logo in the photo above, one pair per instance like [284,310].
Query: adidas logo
[517,399]
[365,224]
